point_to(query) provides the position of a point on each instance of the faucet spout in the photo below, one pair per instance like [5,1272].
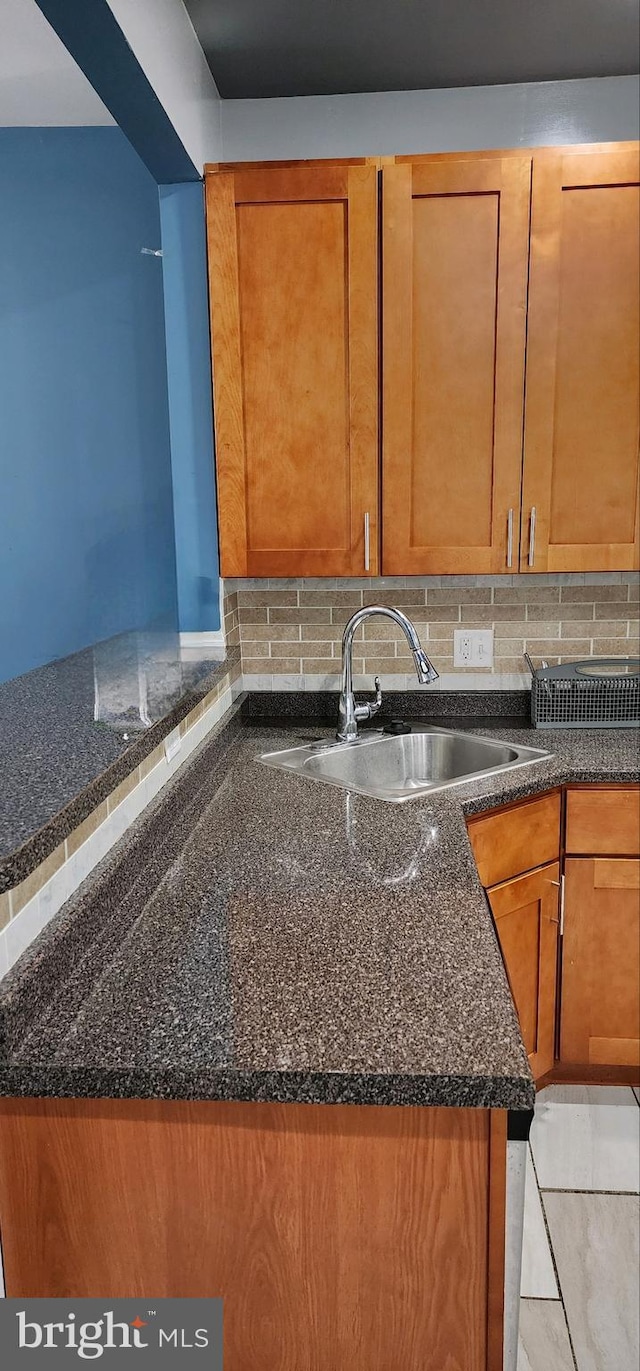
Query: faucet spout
[351,714]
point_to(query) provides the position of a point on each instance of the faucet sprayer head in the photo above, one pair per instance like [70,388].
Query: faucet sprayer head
[425,669]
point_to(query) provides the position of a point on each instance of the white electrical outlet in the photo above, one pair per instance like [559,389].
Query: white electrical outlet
[473,647]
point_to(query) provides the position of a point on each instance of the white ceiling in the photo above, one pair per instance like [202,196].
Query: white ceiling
[40,84]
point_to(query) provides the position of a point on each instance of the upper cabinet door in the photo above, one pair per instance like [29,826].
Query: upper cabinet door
[580,509]
[454,253]
[293,271]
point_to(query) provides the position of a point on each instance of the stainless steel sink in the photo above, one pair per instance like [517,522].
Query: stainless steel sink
[398,768]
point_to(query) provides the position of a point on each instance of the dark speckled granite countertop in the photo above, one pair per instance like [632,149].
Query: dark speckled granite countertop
[69,733]
[259,935]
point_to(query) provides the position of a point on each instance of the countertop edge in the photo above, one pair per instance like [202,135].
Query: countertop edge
[286,1087]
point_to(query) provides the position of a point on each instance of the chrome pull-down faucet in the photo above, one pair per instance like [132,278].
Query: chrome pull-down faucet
[351,714]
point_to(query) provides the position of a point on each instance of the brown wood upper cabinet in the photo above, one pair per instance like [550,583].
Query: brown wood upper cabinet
[455,234]
[293,268]
[580,510]
[485,469]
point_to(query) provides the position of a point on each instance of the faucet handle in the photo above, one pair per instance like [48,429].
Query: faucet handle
[368,708]
[374,705]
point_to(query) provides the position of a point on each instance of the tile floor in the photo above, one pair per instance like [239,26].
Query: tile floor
[579,1309]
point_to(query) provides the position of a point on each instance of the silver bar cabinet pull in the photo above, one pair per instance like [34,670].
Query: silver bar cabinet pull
[367,547]
[560,885]
[532,536]
[510,538]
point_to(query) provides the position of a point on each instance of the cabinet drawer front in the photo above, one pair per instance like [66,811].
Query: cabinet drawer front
[604,821]
[516,840]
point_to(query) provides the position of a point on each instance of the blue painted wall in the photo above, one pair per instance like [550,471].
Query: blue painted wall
[86,515]
[190,404]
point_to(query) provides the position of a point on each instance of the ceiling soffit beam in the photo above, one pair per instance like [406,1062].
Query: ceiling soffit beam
[91,33]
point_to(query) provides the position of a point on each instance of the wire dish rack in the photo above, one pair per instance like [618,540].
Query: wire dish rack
[599,692]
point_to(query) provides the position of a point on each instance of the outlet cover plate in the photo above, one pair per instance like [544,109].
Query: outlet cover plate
[473,647]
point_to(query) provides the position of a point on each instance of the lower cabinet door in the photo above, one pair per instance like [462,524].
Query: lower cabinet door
[600,1001]
[526,914]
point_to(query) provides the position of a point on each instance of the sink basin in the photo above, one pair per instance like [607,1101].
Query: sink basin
[398,768]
